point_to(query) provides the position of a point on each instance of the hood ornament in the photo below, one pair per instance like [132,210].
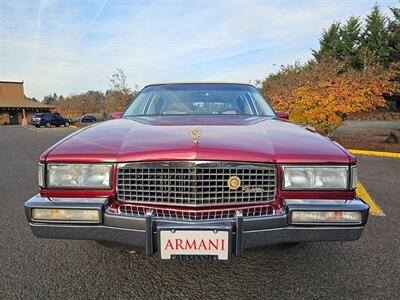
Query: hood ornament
[195,133]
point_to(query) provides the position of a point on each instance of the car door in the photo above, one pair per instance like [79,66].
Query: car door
[54,120]
[44,119]
[60,120]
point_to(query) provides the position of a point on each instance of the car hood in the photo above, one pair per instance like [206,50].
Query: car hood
[233,138]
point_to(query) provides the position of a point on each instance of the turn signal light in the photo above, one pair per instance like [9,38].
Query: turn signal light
[65,214]
[326,217]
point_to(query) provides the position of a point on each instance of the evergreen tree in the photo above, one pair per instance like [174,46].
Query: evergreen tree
[394,48]
[50,99]
[394,35]
[331,44]
[375,38]
[352,41]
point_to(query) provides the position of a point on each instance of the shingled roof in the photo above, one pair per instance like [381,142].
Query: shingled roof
[12,96]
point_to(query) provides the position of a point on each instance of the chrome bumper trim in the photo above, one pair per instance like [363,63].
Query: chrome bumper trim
[247,232]
[79,200]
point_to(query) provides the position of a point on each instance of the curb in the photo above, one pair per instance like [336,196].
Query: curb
[375,153]
[374,209]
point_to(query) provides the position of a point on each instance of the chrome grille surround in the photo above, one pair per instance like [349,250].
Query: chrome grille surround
[195,183]
[130,210]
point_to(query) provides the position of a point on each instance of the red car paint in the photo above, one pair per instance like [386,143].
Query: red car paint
[229,138]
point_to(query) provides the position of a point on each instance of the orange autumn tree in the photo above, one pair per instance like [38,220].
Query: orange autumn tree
[98,103]
[322,94]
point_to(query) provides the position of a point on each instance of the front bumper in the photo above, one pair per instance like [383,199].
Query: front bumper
[247,232]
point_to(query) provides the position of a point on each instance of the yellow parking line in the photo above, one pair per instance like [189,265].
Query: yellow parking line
[73,126]
[375,153]
[374,209]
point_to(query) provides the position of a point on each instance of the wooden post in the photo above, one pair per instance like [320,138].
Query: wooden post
[24,121]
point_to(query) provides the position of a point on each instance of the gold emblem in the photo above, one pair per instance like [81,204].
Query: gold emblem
[233,182]
[195,133]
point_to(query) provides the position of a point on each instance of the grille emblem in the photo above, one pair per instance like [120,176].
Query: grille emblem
[234,182]
[247,189]
[195,133]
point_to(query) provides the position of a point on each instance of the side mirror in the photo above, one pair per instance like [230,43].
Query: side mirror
[117,115]
[282,115]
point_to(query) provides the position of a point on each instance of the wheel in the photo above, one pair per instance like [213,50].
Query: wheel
[48,125]
[66,124]
[37,126]
[57,125]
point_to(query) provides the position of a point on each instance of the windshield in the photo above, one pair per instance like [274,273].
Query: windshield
[38,116]
[199,99]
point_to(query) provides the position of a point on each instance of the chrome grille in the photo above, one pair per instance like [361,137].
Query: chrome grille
[198,215]
[195,183]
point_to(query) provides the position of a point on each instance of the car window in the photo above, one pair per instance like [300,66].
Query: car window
[200,99]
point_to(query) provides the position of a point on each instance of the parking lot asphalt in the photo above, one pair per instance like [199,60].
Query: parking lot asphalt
[41,268]
[379,129]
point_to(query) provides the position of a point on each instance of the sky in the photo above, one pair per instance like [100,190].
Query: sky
[72,46]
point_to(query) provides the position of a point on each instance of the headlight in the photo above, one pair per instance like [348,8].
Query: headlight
[79,176]
[315,177]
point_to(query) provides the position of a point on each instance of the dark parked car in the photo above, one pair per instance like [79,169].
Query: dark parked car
[49,119]
[88,119]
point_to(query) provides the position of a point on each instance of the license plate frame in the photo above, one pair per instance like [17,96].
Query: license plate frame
[218,230]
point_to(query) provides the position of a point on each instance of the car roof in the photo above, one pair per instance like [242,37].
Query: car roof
[198,82]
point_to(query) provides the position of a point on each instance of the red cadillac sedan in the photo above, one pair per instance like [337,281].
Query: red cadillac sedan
[197,171]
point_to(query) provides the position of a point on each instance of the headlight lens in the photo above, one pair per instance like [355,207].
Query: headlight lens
[93,176]
[315,177]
